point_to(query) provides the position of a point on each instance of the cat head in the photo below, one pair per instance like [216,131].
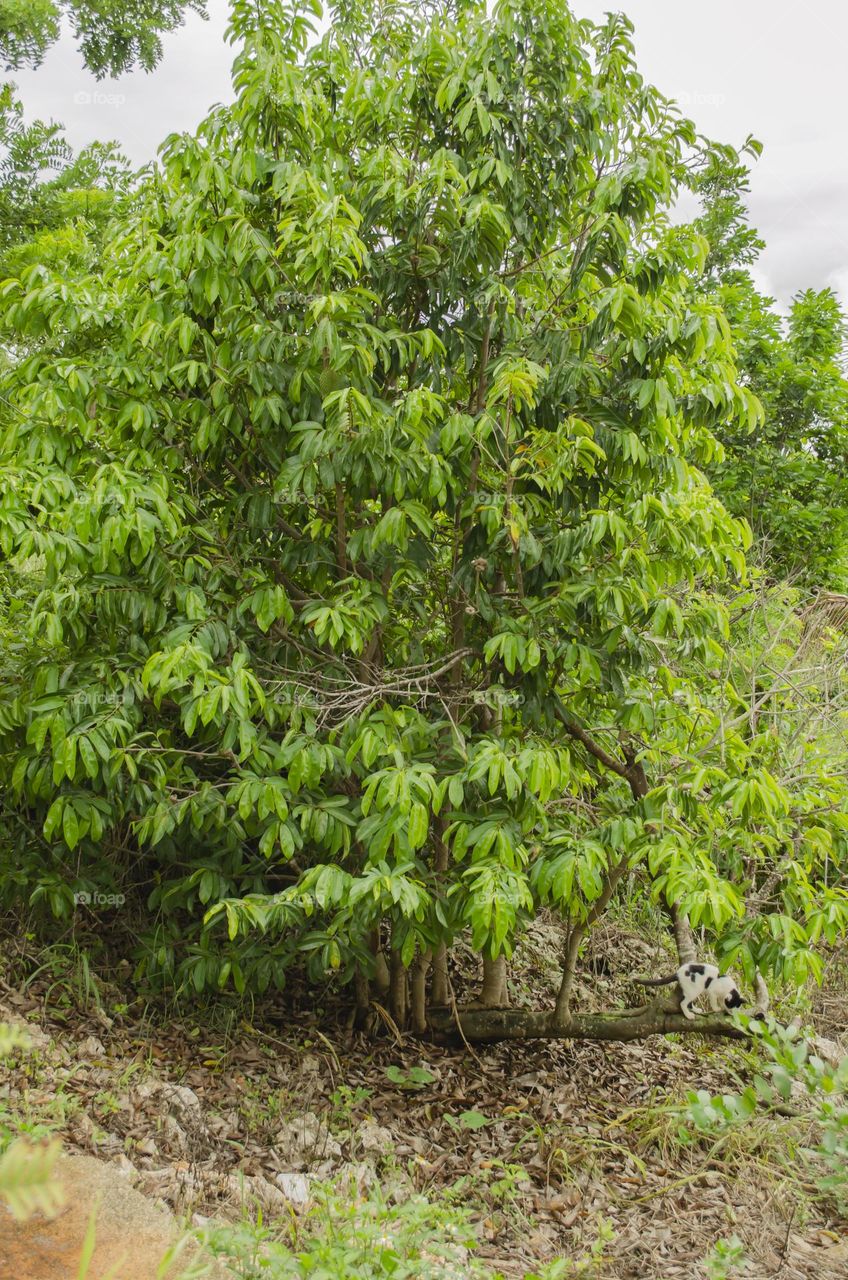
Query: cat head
[734,999]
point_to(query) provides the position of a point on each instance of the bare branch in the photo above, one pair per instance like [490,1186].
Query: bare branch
[594,748]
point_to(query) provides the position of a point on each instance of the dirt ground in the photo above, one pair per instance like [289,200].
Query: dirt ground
[131,1238]
[549,1143]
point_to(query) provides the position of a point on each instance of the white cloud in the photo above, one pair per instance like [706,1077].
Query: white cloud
[774,68]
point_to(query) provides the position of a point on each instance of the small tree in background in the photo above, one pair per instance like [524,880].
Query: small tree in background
[788,478]
[53,204]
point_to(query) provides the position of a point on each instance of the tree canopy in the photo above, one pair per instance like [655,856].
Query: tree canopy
[364,584]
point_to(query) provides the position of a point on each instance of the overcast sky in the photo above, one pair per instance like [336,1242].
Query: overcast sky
[774,68]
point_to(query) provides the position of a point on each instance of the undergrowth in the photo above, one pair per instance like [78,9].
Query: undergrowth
[374,1236]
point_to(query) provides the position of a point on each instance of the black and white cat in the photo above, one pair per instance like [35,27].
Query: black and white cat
[696,980]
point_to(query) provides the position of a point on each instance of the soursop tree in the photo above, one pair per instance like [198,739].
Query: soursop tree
[361,568]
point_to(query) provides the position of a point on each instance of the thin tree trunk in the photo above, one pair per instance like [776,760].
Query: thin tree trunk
[683,936]
[397,989]
[381,979]
[362,988]
[456,611]
[632,771]
[562,1010]
[569,967]
[439,987]
[418,1007]
[341,532]
[494,993]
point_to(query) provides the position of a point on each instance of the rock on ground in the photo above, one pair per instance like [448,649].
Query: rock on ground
[132,1234]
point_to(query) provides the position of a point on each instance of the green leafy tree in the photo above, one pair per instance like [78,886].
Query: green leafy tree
[789,476]
[47,193]
[366,574]
[113,35]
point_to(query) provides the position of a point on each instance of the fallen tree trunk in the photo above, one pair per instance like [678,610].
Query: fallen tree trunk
[660,1018]
[481,1025]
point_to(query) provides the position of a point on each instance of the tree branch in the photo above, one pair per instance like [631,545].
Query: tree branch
[481,1025]
[594,748]
[633,772]
[341,532]
[576,936]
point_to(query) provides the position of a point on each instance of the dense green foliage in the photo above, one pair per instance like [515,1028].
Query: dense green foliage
[361,567]
[113,35]
[789,478]
[792,1069]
